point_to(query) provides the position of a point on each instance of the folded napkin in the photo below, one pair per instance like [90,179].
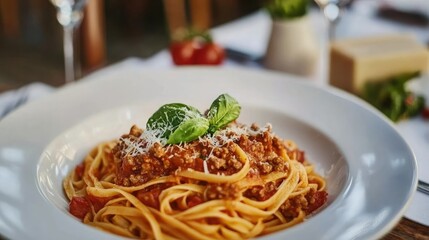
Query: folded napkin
[418,209]
[11,100]
[412,6]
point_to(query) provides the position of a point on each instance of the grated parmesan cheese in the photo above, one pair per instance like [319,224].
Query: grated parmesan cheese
[150,137]
[206,169]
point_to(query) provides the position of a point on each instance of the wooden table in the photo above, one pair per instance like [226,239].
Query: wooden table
[407,229]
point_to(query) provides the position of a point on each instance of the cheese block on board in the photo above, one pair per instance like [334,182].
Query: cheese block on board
[356,61]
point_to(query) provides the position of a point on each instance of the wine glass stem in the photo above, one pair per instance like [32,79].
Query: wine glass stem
[69,54]
[332,14]
[331,27]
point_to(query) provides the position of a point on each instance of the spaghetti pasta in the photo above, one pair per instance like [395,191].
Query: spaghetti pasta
[239,183]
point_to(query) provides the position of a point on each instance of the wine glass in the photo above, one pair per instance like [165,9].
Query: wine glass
[69,15]
[332,10]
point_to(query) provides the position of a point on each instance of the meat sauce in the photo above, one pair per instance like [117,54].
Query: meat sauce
[263,150]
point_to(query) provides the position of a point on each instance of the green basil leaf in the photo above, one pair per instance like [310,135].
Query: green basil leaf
[189,130]
[168,118]
[223,110]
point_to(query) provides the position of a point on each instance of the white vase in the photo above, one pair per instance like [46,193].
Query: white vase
[292,47]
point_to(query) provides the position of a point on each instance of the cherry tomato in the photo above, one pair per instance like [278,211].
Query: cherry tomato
[425,113]
[194,201]
[150,198]
[210,54]
[79,170]
[79,207]
[183,53]
[97,202]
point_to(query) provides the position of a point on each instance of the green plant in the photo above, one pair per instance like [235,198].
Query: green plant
[287,9]
[393,99]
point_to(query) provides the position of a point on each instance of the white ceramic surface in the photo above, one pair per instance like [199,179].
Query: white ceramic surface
[292,47]
[373,173]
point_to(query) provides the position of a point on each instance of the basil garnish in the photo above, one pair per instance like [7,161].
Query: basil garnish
[169,117]
[223,110]
[178,122]
[189,130]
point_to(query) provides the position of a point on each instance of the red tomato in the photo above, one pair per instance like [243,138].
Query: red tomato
[97,202]
[210,54]
[79,207]
[79,170]
[194,201]
[149,198]
[183,53]
[425,113]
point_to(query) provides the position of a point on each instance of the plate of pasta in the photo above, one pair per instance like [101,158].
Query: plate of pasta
[201,153]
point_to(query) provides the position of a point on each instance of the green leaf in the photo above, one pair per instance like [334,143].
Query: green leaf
[189,130]
[223,110]
[170,116]
[287,9]
[391,97]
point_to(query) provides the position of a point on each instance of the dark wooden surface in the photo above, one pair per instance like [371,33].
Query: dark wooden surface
[407,229]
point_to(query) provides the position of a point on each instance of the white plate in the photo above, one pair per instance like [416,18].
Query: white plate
[371,171]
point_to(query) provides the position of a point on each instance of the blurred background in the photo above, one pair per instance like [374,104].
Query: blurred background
[31,45]
[31,37]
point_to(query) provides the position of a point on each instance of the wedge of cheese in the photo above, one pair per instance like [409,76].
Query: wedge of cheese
[356,61]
